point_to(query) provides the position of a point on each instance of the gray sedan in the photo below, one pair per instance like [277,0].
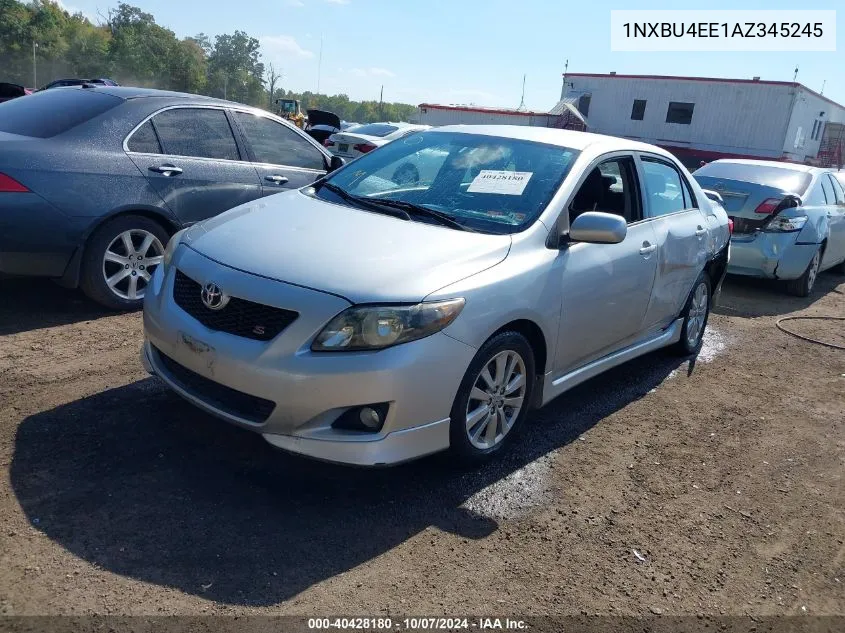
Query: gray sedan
[789,220]
[370,321]
[94,180]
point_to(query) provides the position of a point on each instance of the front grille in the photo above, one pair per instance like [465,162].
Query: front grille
[239,317]
[232,401]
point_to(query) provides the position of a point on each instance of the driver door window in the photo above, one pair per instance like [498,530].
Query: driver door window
[610,188]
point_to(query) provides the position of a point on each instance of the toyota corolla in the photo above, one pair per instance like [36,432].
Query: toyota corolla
[371,320]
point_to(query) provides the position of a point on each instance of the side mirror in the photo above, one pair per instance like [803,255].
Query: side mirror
[335,163]
[598,228]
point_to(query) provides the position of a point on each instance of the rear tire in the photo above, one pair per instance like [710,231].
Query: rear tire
[485,417]
[803,286]
[696,313]
[119,259]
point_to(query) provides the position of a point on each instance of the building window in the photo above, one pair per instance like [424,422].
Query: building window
[679,112]
[817,130]
[813,133]
[584,105]
[638,110]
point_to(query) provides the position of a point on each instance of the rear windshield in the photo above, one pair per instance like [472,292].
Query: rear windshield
[376,129]
[781,178]
[51,112]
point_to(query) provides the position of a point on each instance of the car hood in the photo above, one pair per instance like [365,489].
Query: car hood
[359,255]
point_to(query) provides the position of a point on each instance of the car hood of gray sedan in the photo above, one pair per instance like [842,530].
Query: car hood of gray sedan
[359,255]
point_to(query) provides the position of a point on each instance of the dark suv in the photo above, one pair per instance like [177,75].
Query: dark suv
[94,180]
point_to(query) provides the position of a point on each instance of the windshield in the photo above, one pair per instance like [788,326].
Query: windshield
[486,183]
[376,129]
[781,178]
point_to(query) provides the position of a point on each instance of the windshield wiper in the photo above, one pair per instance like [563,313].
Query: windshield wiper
[365,202]
[411,208]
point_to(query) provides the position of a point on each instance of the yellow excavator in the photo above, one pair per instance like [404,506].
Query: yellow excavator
[289,109]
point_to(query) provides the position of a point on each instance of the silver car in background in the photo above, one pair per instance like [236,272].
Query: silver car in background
[789,220]
[370,321]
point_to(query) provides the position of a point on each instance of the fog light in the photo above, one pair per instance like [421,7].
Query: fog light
[370,418]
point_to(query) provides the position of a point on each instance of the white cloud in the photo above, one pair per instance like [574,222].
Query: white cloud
[295,3]
[282,47]
[371,72]
[338,1]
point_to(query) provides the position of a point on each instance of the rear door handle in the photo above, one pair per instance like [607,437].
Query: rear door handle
[166,170]
[647,248]
[279,180]
[700,231]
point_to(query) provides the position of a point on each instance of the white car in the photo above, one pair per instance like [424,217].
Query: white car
[360,140]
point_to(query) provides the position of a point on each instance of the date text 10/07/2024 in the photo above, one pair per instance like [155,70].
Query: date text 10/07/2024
[417,624]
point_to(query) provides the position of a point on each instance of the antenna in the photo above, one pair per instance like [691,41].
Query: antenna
[824,83]
[320,63]
[795,76]
[522,100]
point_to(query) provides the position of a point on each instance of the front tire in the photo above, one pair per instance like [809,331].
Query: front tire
[696,312]
[493,398]
[803,286]
[119,260]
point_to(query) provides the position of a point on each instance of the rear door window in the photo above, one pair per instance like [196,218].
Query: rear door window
[52,112]
[276,144]
[827,188]
[144,140]
[199,132]
[838,192]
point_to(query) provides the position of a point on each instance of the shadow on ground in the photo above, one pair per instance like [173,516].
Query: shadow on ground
[749,297]
[144,485]
[32,304]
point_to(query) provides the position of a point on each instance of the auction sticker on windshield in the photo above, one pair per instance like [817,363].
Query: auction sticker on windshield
[509,183]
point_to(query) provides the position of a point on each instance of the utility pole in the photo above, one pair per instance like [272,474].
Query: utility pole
[320,63]
[225,86]
[381,103]
[34,69]
[522,100]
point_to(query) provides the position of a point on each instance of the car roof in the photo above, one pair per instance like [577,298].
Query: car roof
[131,92]
[772,163]
[553,136]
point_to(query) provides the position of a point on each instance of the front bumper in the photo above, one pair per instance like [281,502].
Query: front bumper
[308,391]
[769,255]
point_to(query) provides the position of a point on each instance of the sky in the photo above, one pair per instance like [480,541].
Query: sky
[467,51]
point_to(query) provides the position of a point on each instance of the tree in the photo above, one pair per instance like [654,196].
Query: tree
[235,70]
[272,78]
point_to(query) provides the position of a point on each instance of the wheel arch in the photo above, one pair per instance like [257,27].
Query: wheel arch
[72,273]
[533,333]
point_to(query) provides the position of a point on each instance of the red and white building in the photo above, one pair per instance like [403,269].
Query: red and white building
[696,118]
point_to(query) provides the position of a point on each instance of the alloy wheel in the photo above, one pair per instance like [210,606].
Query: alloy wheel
[697,314]
[129,262]
[496,399]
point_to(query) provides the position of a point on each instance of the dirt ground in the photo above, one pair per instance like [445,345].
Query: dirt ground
[664,486]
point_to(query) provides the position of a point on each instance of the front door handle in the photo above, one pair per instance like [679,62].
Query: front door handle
[277,179]
[700,231]
[166,169]
[648,249]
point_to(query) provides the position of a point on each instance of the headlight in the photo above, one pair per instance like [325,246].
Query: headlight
[781,224]
[376,327]
[171,247]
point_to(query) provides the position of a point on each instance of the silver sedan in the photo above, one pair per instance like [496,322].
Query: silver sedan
[372,320]
[789,220]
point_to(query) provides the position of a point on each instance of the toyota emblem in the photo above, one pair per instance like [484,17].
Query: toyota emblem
[212,297]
